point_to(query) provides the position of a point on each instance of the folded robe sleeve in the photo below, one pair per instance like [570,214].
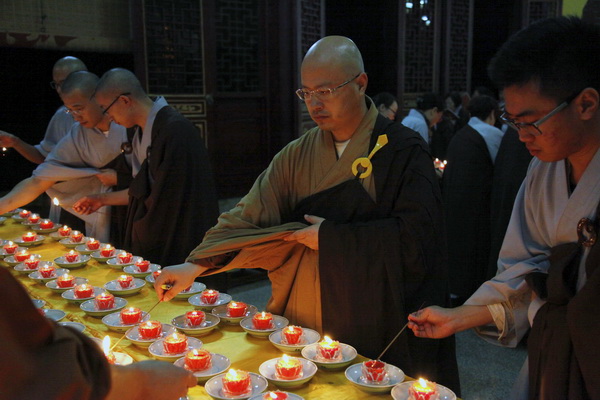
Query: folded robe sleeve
[42,360]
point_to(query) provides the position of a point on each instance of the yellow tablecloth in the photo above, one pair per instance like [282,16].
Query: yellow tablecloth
[244,351]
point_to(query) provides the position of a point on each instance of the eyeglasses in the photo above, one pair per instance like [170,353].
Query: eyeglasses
[305,95]
[54,85]
[74,112]
[533,128]
[114,101]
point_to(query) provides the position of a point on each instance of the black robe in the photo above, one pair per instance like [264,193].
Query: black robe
[380,261]
[168,217]
[510,169]
[466,187]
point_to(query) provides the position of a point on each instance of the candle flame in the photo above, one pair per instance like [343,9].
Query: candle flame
[106,345]
[327,340]
[263,314]
[423,382]
[285,358]
[10,243]
[232,375]
[55,201]
[65,276]
[195,352]
[72,252]
[4,149]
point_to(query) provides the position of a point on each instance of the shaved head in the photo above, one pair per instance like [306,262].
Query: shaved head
[118,81]
[82,81]
[337,52]
[70,64]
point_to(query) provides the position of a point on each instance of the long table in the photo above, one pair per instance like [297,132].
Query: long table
[244,351]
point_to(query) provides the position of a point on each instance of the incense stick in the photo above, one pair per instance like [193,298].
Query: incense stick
[397,336]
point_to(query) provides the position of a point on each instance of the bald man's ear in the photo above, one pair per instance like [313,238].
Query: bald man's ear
[588,103]
[362,81]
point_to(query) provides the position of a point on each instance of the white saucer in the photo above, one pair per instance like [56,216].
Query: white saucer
[71,245]
[83,249]
[63,263]
[157,350]
[114,323]
[134,335]
[196,287]
[310,337]
[38,303]
[221,312]
[219,364]
[74,325]
[36,276]
[267,369]
[195,300]
[114,261]
[69,295]
[10,260]
[400,391]
[3,252]
[53,314]
[96,255]
[279,322]
[56,236]
[12,212]
[205,327]
[38,240]
[348,355]
[54,287]
[115,288]
[214,387]
[354,373]
[133,270]
[89,307]
[23,269]
[36,228]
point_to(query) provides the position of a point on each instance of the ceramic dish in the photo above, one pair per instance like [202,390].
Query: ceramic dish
[196,287]
[267,369]
[23,269]
[10,260]
[63,263]
[53,314]
[54,287]
[205,327]
[310,337]
[221,312]
[114,262]
[83,249]
[400,391]
[214,387]
[36,228]
[39,239]
[73,325]
[290,396]
[89,307]
[115,288]
[354,375]
[36,276]
[196,301]
[219,364]
[69,295]
[114,323]
[71,245]
[97,255]
[348,355]
[279,322]
[133,270]
[56,236]
[38,303]
[157,350]
[134,335]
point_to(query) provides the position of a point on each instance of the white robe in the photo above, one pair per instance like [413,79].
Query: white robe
[417,122]
[544,216]
[73,163]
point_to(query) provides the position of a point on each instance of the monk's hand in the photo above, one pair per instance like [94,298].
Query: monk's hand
[308,236]
[432,322]
[87,205]
[174,279]
[7,139]
[108,177]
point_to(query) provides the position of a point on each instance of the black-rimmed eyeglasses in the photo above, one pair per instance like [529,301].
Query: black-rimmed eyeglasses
[114,101]
[305,95]
[533,128]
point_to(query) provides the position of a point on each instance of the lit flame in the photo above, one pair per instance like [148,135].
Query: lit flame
[65,276]
[327,340]
[4,149]
[55,201]
[263,314]
[195,352]
[273,395]
[232,375]
[106,345]
[10,243]
[423,383]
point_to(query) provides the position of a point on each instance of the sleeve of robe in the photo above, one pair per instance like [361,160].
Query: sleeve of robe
[43,360]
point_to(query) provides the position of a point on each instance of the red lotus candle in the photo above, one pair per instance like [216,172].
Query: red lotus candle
[105,301]
[142,265]
[423,390]
[329,349]
[374,371]
[209,296]
[83,291]
[150,329]
[124,257]
[275,396]
[32,262]
[236,309]
[155,274]
[64,231]
[24,214]
[76,236]
[125,281]
[292,334]
[47,271]
[288,368]
[72,256]
[46,224]
[175,343]
[10,247]
[22,255]
[194,318]
[33,219]
[107,251]
[92,244]
[263,320]
[131,315]
[236,383]
[65,281]
[198,360]
[28,237]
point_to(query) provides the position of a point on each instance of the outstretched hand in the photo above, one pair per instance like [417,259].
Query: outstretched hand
[432,322]
[179,277]
[308,236]
[87,205]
